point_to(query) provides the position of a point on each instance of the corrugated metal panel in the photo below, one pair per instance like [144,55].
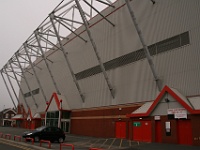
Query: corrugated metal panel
[195,101]
[144,108]
[181,96]
[178,68]
[162,107]
[154,49]
[37,115]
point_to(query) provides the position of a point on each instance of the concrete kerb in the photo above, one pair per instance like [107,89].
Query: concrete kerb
[80,141]
[23,144]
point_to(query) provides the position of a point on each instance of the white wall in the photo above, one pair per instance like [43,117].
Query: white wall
[177,68]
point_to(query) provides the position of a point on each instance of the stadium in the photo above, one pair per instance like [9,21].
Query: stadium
[122,69]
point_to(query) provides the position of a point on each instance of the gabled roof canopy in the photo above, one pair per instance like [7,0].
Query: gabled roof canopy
[57,102]
[149,107]
[18,117]
[7,110]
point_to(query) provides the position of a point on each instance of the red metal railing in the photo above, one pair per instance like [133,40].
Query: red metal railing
[30,139]
[45,141]
[17,137]
[1,134]
[66,145]
[7,135]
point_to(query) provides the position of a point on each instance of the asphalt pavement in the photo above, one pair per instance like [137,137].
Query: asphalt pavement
[85,143]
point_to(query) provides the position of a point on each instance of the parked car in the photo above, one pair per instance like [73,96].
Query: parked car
[46,133]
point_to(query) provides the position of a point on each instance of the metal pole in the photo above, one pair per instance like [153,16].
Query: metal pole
[8,90]
[99,13]
[45,60]
[11,86]
[38,81]
[69,29]
[72,25]
[66,58]
[19,85]
[60,114]
[45,121]
[94,47]
[26,80]
[146,50]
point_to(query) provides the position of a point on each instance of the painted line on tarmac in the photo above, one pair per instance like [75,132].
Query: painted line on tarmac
[111,143]
[120,145]
[25,146]
[15,145]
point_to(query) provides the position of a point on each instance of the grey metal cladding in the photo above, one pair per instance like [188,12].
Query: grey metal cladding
[157,48]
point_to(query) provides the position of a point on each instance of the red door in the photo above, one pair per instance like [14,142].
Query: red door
[158,132]
[184,132]
[137,131]
[147,131]
[142,131]
[120,129]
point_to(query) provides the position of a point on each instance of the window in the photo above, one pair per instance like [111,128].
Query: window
[27,94]
[65,115]
[7,115]
[154,49]
[54,114]
[34,92]
[52,118]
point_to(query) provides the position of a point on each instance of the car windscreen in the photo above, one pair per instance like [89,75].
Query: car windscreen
[40,128]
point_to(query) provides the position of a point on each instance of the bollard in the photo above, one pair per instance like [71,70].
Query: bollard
[63,144]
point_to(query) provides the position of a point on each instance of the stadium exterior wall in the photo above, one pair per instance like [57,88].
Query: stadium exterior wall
[132,82]
[177,63]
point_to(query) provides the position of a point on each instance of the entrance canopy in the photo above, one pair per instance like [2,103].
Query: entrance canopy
[18,117]
[169,99]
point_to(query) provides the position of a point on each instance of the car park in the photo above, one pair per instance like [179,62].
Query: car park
[46,133]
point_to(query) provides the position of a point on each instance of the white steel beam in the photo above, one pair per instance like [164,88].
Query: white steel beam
[11,85]
[36,76]
[47,65]
[146,50]
[94,47]
[25,100]
[25,79]
[66,59]
[8,90]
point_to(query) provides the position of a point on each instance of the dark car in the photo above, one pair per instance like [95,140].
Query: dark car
[46,133]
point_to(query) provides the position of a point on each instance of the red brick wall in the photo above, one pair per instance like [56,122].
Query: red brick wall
[100,122]
[195,119]
[173,138]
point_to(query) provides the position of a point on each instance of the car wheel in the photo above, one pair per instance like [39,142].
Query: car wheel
[60,140]
[36,139]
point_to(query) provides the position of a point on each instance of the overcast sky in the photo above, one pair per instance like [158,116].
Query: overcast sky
[18,20]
